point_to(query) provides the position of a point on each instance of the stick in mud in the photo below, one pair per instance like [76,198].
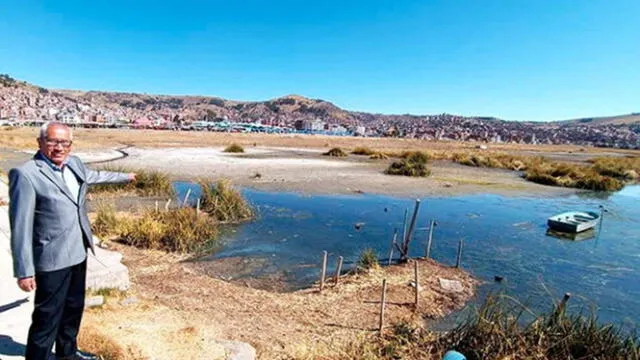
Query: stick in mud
[393,244]
[417,282]
[156,205]
[382,301]
[404,225]
[166,206]
[198,207]
[324,269]
[337,277]
[186,198]
[459,257]
[432,224]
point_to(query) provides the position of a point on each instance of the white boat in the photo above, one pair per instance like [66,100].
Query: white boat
[573,221]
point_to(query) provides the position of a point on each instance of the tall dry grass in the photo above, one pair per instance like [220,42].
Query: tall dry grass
[148,183]
[498,330]
[224,203]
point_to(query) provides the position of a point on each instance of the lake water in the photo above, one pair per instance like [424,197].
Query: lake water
[503,236]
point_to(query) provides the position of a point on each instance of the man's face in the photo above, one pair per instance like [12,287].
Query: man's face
[57,144]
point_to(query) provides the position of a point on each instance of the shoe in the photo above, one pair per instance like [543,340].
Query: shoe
[80,355]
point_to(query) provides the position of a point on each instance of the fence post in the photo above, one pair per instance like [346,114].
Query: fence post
[382,301]
[324,269]
[186,198]
[198,207]
[339,270]
[417,279]
[459,257]
[166,206]
[432,224]
[393,244]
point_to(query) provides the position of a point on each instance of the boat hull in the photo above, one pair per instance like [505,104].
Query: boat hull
[573,222]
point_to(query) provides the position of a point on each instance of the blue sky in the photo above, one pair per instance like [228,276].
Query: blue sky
[514,59]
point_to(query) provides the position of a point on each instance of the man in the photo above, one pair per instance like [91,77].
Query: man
[50,234]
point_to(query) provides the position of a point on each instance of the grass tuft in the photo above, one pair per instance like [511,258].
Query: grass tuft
[148,183]
[413,164]
[224,203]
[234,148]
[368,259]
[363,150]
[379,155]
[335,152]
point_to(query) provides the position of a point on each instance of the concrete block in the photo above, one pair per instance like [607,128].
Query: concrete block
[104,270]
[93,301]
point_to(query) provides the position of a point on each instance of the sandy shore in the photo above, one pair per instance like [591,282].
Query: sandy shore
[308,171]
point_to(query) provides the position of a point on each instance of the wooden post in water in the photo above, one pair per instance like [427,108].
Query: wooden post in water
[404,225]
[324,270]
[393,244]
[459,257]
[383,299]
[417,279]
[186,198]
[339,270]
[432,224]
[166,206]
[412,225]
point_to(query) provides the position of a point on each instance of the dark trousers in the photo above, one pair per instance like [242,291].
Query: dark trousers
[59,304]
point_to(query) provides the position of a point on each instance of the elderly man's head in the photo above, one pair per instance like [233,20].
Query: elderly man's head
[55,142]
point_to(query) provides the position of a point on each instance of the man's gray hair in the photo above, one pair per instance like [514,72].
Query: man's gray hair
[45,127]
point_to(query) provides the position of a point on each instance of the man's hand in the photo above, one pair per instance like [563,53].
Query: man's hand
[132,176]
[27,284]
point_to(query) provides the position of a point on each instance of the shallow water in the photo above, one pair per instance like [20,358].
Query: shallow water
[503,236]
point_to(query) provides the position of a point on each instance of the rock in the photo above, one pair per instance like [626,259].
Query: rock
[451,285]
[237,350]
[94,301]
[447,185]
[498,278]
[129,301]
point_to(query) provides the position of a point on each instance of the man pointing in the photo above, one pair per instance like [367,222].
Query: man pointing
[50,235]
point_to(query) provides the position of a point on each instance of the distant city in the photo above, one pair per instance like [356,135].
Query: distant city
[26,104]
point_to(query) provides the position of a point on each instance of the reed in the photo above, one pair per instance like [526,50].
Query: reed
[368,259]
[148,183]
[224,203]
[178,230]
[499,330]
[379,155]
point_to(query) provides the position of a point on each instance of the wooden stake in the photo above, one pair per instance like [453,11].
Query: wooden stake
[459,257]
[432,224]
[382,302]
[324,269]
[393,244]
[404,225]
[166,206]
[198,207]
[339,270]
[156,205]
[563,303]
[417,279]
[186,198]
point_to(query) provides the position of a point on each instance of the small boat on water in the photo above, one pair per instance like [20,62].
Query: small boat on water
[573,221]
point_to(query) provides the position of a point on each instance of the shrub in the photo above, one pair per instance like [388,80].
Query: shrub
[336,152]
[234,148]
[379,155]
[106,222]
[179,230]
[224,203]
[414,164]
[148,183]
[362,150]
[368,259]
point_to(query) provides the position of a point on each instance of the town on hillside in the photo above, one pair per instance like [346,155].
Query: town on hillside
[25,104]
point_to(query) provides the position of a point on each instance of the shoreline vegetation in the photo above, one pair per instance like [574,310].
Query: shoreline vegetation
[181,228]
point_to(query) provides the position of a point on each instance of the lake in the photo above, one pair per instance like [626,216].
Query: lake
[504,236]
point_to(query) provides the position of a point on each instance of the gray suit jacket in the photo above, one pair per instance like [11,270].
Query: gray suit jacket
[50,229]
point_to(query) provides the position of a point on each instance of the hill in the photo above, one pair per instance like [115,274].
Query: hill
[23,101]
